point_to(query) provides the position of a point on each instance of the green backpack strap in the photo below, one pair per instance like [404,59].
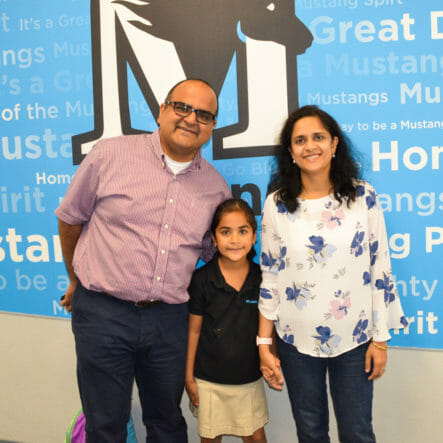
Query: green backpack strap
[68,437]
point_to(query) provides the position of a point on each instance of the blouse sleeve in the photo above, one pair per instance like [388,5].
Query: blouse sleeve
[271,261]
[387,310]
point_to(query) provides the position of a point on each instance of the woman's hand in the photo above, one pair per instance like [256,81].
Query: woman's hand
[377,354]
[192,390]
[270,367]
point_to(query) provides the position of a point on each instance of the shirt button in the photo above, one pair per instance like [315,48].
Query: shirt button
[166,226]
[163,165]
[163,251]
[158,278]
[171,200]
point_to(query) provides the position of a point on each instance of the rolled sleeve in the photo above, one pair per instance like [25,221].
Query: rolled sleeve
[78,203]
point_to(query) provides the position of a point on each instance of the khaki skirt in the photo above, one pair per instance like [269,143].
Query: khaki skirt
[230,409]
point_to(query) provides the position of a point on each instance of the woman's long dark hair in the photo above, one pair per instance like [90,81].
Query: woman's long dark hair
[286,180]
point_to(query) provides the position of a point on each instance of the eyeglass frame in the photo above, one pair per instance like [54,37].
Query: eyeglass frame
[173,103]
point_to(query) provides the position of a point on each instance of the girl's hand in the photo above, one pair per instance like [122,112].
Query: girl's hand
[270,368]
[378,357]
[192,390]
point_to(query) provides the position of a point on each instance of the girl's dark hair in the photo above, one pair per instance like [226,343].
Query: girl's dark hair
[286,180]
[234,205]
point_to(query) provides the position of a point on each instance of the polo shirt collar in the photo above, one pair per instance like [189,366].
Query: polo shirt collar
[215,275]
[158,151]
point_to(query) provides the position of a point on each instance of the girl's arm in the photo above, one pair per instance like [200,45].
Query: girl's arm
[271,259]
[194,328]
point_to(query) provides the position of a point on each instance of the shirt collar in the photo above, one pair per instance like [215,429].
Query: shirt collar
[216,277]
[158,151]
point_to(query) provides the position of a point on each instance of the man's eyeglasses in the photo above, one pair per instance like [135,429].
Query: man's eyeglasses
[183,110]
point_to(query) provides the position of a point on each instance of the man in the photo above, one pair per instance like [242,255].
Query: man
[131,227]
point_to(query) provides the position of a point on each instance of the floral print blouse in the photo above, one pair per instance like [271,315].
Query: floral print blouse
[327,280]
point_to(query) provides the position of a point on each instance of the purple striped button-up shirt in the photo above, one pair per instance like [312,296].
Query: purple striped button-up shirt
[143,226]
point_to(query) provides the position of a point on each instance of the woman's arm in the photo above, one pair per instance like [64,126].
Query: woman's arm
[269,363]
[386,306]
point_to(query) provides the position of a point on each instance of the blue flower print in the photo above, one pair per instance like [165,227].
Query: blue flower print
[373,248]
[366,278]
[356,247]
[388,286]
[326,341]
[281,208]
[268,260]
[371,199]
[359,333]
[404,321]
[318,243]
[299,294]
[360,190]
[319,249]
[265,293]
[274,264]
[288,338]
[281,257]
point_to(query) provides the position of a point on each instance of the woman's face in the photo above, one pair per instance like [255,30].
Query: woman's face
[312,146]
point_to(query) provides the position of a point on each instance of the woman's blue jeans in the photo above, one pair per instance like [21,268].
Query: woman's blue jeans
[351,392]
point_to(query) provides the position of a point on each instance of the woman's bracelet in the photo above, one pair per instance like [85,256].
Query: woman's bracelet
[381,347]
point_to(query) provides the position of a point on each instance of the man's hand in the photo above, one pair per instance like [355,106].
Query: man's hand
[192,390]
[66,300]
[270,367]
[378,357]
[69,235]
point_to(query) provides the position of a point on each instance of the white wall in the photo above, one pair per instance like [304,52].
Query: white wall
[39,393]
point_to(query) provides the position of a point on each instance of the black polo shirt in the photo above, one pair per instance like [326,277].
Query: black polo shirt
[226,352]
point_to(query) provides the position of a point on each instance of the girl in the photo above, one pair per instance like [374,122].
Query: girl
[223,378]
[327,284]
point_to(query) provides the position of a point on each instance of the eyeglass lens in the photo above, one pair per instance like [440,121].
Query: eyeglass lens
[184,110]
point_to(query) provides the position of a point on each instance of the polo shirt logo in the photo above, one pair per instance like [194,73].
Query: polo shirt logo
[254,302]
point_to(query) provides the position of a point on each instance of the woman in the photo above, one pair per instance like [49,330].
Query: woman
[327,284]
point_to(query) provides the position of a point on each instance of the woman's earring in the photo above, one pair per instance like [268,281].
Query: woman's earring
[333,155]
[293,161]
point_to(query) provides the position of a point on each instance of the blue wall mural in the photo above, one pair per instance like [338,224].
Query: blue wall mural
[75,71]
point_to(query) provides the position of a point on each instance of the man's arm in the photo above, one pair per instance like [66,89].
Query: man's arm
[69,235]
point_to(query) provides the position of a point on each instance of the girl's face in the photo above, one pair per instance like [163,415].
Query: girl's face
[312,146]
[234,236]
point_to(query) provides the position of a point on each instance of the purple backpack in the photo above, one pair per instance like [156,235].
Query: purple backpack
[77,433]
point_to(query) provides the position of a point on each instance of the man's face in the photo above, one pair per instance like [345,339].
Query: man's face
[181,137]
